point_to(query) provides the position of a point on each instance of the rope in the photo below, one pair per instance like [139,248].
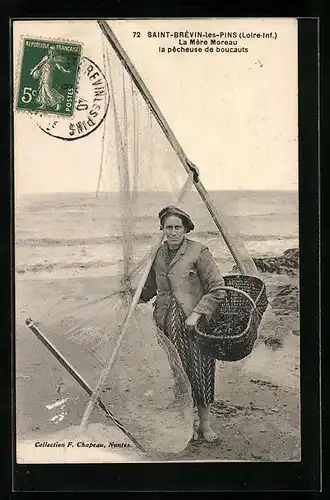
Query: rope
[124,187]
[103,133]
[136,159]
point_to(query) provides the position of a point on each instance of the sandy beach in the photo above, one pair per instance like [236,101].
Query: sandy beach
[256,412]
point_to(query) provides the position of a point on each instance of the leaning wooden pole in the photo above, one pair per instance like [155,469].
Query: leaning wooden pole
[105,373]
[78,378]
[136,297]
[245,266]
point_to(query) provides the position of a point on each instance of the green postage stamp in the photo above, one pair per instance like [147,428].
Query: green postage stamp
[48,76]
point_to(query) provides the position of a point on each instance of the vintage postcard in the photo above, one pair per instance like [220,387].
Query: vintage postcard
[156,240]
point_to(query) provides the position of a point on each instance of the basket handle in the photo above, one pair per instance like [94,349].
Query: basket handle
[254,306]
[246,295]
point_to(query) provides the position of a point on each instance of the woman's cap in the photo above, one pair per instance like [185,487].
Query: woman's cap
[172,210]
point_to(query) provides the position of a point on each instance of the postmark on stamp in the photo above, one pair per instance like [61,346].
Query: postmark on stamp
[48,76]
[90,108]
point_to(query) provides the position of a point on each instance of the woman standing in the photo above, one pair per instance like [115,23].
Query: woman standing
[187,282]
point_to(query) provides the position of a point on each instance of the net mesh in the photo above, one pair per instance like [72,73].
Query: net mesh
[147,388]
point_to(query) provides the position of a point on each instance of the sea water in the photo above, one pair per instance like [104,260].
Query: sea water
[76,232]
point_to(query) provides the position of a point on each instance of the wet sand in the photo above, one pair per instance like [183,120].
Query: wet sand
[256,413]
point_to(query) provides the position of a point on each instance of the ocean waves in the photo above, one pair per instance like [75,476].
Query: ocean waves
[63,234]
[103,258]
[52,266]
[102,240]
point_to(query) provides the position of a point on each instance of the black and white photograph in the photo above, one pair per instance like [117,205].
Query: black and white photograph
[156,212]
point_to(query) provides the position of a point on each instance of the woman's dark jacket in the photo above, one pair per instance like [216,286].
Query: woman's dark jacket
[192,277]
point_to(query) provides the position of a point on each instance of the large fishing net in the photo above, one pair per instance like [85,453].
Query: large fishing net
[137,370]
[146,389]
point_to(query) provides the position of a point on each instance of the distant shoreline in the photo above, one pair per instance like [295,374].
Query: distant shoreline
[92,192]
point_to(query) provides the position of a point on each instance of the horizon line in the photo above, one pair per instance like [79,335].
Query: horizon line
[161,192]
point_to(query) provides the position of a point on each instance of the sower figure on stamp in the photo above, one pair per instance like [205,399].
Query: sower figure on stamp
[186,280]
[47,94]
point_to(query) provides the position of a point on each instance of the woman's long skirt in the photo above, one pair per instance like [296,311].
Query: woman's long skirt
[200,369]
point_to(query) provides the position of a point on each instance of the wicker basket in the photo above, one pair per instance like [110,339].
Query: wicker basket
[231,332]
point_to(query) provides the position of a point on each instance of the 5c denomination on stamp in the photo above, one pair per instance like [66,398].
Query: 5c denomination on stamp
[90,108]
[48,76]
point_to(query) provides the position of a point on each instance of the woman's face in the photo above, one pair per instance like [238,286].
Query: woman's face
[174,230]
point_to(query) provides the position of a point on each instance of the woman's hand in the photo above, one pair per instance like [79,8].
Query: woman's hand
[192,319]
[194,169]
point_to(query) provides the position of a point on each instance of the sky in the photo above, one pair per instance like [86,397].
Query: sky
[235,115]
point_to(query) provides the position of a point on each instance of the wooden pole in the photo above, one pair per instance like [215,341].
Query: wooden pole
[78,378]
[200,188]
[246,266]
[107,369]
[135,300]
